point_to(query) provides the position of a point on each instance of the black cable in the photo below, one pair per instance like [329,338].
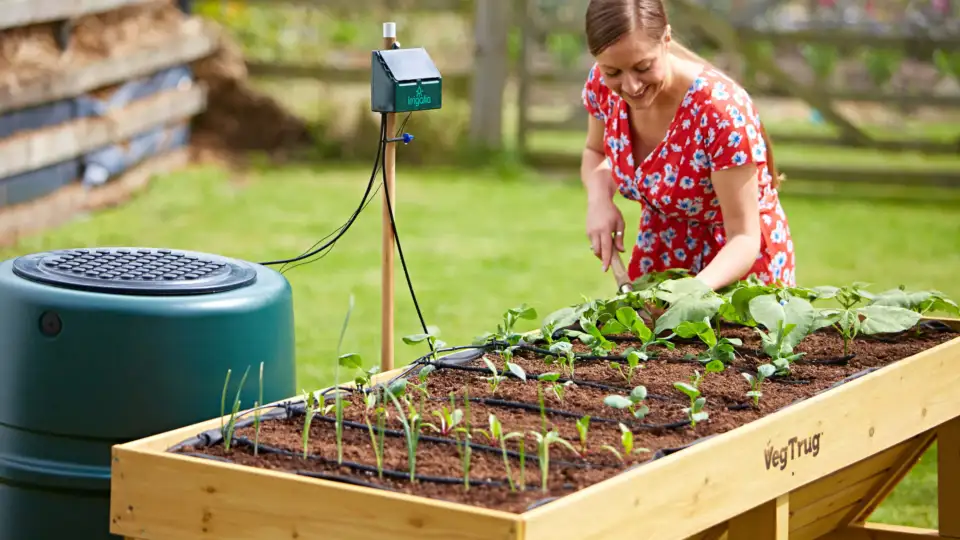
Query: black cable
[396,238]
[378,162]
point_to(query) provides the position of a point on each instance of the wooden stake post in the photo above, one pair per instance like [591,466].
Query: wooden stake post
[389,190]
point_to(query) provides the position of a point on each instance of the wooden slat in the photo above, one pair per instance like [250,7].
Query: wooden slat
[191,44]
[64,204]
[880,531]
[897,473]
[34,150]
[948,478]
[846,497]
[770,520]
[14,13]
[159,497]
[822,526]
[711,493]
[815,491]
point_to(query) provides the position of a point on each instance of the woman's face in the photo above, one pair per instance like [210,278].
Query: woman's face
[637,68]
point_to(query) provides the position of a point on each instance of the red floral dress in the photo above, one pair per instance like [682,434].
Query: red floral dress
[681,226]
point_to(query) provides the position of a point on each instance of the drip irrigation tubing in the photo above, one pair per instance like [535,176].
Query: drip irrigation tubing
[560,412]
[443,440]
[360,467]
[532,378]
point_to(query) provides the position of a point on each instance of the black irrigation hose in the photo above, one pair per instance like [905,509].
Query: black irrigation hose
[359,467]
[442,440]
[578,382]
[559,412]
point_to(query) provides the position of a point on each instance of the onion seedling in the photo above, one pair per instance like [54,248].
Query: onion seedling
[633,402]
[227,430]
[348,360]
[544,440]
[256,415]
[497,434]
[412,434]
[376,441]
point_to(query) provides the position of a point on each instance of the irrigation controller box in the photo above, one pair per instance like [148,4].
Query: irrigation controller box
[404,80]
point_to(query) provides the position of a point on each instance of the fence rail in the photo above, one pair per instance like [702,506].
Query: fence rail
[79,135]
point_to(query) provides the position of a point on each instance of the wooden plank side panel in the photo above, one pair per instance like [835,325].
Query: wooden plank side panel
[848,496]
[33,150]
[14,13]
[862,470]
[194,42]
[880,531]
[170,497]
[841,425]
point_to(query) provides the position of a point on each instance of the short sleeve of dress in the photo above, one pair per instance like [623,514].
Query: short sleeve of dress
[595,95]
[732,128]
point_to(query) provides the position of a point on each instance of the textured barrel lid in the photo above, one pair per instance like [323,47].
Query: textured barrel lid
[137,271]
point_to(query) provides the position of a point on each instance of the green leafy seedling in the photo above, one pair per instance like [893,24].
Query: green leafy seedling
[764,372]
[554,380]
[695,412]
[626,444]
[634,402]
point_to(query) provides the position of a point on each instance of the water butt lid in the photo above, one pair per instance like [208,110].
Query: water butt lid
[137,271]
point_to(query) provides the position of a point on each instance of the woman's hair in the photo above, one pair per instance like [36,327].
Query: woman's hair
[609,20]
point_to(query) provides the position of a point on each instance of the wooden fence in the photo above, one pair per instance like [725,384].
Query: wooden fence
[87,130]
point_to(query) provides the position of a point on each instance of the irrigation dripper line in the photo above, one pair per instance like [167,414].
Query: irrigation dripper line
[360,467]
[442,440]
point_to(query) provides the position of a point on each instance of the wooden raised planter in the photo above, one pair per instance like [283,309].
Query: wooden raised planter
[813,469]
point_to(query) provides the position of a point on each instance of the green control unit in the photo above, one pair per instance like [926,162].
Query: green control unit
[404,80]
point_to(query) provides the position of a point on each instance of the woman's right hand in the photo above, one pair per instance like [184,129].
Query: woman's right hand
[604,229]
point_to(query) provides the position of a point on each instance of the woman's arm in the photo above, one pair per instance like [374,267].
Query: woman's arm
[736,188]
[603,216]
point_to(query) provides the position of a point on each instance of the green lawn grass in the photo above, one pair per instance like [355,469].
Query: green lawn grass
[476,244]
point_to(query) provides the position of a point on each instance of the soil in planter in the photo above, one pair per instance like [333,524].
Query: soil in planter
[665,429]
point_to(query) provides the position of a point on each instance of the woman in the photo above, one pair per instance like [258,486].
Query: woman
[671,132]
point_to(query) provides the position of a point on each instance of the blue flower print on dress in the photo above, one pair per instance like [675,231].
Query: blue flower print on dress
[686,182]
[720,92]
[680,255]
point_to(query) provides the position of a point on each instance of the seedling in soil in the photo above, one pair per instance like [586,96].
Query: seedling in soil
[722,349]
[689,299]
[788,322]
[633,362]
[376,439]
[497,434]
[555,384]
[431,337]
[494,380]
[852,318]
[921,302]
[449,418]
[256,415]
[583,427]
[411,430]
[626,443]
[634,402]
[695,411]
[227,430]
[544,440]
[505,331]
[763,372]
[592,337]
[465,450]
[627,321]
[562,353]
[351,360]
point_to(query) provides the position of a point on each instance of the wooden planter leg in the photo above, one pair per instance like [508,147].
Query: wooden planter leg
[770,521]
[948,478]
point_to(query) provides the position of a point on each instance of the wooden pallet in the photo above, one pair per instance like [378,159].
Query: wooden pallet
[868,432]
